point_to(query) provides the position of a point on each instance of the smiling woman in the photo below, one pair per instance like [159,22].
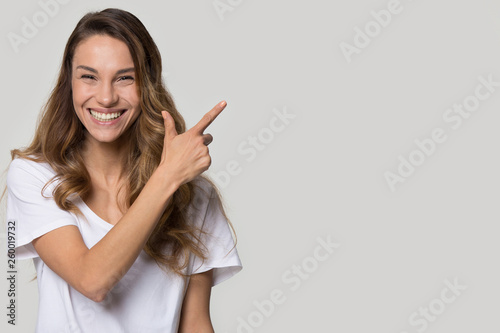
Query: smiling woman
[112,185]
[105,94]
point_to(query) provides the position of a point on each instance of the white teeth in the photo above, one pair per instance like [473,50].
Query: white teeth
[105,116]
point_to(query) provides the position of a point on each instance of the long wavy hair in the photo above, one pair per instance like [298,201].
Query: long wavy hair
[59,136]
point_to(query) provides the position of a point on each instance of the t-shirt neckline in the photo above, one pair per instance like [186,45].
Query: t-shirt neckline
[94,215]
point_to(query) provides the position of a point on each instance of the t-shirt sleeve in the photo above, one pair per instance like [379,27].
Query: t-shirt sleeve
[222,255]
[31,213]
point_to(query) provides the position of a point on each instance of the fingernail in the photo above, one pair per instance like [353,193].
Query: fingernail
[223,103]
[163,114]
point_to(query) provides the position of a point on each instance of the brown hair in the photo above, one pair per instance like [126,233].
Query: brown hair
[59,136]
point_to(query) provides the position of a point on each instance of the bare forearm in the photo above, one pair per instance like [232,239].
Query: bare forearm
[195,314]
[109,260]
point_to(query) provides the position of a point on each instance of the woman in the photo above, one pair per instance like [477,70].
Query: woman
[109,201]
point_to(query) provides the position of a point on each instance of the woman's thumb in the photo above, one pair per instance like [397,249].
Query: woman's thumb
[169,123]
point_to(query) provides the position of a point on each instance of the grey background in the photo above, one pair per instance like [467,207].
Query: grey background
[323,174]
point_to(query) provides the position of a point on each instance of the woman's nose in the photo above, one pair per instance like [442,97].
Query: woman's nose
[106,95]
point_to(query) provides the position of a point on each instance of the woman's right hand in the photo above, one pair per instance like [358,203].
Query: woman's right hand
[185,156]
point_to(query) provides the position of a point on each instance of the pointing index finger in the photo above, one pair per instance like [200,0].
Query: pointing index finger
[209,117]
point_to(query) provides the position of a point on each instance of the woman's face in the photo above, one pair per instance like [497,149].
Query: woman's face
[105,94]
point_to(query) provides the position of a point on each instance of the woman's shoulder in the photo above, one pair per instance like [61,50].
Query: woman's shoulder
[204,194]
[205,191]
[25,169]
[203,186]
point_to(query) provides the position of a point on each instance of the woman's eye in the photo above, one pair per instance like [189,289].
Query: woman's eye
[87,76]
[125,78]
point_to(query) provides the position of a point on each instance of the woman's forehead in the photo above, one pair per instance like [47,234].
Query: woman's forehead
[103,53]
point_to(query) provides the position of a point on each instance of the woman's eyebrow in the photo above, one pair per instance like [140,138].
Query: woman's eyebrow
[121,71]
[125,70]
[90,69]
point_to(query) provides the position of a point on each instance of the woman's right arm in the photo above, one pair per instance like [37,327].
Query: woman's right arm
[94,272]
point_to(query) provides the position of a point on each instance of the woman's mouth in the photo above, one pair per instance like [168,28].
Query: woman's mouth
[105,116]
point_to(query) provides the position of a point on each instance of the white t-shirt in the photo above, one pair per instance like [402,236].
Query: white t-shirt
[146,299]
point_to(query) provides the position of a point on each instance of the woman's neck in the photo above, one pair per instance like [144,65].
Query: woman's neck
[106,161]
